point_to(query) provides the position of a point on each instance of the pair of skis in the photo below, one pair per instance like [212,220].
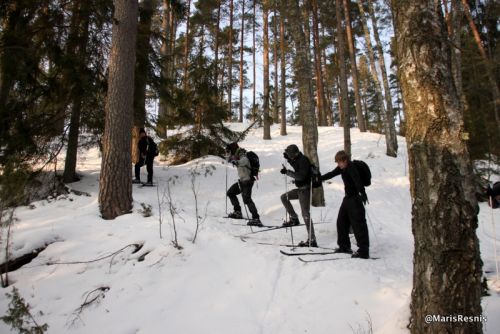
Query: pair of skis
[338,256]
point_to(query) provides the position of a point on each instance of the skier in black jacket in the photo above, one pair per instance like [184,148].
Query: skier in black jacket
[302,179]
[145,157]
[352,210]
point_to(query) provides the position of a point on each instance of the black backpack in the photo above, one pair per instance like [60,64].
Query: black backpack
[364,172]
[152,147]
[254,163]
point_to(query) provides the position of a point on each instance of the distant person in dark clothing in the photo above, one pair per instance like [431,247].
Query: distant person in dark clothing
[352,210]
[494,195]
[146,157]
[302,177]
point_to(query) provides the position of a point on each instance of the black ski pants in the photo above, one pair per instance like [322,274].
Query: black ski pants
[148,161]
[245,189]
[352,213]
[304,197]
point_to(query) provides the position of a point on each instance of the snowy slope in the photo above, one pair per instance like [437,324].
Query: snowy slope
[221,284]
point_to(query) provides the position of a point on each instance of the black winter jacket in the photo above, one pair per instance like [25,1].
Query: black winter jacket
[302,171]
[143,148]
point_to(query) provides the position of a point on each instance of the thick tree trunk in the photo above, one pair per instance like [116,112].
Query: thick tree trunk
[283,74]
[306,97]
[267,121]
[447,264]
[115,186]
[390,151]
[240,118]
[354,69]
[346,119]
[387,92]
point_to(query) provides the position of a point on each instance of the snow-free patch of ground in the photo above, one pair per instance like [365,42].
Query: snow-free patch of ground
[221,284]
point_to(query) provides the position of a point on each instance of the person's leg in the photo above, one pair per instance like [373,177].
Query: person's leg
[232,193]
[246,193]
[343,224]
[305,206]
[286,198]
[149,168]
[356,213]
[137,168]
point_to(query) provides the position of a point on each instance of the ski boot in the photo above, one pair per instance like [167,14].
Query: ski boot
[255,222]
[291,222]
[235,215]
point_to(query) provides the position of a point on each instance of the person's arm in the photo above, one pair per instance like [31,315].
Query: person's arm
[332,174]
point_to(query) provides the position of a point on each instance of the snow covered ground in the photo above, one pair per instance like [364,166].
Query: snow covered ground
[220,284]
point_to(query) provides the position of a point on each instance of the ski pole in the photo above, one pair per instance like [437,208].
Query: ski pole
[310,215]
[495,234]
[225,194]
[286,212]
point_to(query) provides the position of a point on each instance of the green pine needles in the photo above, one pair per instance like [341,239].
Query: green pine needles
[19,316]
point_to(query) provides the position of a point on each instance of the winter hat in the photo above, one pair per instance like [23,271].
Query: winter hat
[232,147]
[141,130]
[292,151]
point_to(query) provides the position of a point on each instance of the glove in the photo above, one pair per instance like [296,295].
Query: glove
[364,198]
[283,170]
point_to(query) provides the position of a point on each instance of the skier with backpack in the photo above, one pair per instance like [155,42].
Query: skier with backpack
[356,176]
[247,164]
[148,150]
[302,178]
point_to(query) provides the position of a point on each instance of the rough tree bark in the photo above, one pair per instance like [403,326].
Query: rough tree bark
[447,264]
[115,186]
